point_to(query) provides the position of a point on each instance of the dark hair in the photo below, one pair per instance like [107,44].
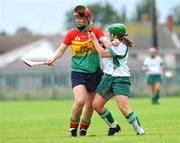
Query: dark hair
[125,40]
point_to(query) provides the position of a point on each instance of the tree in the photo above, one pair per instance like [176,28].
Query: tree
[142,8]
[176,14]
[3,33]
[69,22]
[124,17]
[102,15]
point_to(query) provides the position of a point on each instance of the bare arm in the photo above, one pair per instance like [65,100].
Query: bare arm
[102,52]
[57,54]
[162,69]
[105,42]
[145,68]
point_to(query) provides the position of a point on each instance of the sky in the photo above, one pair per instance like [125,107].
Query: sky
[48,16]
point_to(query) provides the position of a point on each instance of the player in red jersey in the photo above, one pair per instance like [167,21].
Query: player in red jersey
[86,73]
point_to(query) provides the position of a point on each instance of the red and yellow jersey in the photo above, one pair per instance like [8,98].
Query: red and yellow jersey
[74,35]
[84,55]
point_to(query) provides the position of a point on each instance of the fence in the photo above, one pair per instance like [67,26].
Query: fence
[56,85]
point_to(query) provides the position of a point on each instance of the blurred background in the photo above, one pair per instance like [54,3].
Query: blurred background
[33,29]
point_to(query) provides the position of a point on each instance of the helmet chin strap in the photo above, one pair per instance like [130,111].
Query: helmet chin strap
[81,27]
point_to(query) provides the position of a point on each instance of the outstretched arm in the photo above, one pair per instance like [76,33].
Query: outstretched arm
[57,54]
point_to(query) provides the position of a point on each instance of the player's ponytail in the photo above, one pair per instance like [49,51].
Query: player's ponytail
[126,41]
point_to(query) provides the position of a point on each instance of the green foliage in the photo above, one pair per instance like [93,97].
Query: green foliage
[176,14]
[47,122]
[102,15]
[124,16]
[143,7]
[69,22]
[3,33]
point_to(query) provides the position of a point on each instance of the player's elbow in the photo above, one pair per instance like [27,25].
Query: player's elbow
[105,54]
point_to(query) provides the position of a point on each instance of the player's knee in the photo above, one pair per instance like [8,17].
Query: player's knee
[88,103]
[80,102]
[95,105]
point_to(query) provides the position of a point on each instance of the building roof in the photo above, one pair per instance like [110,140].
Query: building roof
[8,43]
[37,51]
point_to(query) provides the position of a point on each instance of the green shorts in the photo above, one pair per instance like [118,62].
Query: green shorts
[115,85]
[152,79]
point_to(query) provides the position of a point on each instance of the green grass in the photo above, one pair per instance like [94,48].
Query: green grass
[48,122]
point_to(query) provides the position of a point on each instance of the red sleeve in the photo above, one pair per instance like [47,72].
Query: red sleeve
[97,31]
[69,37]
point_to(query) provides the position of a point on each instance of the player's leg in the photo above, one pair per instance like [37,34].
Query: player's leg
[157,87]
[122,101]
[151,88]
[79,96]
[87,113]
[153,92]
[151,83]
[92,81]
[105,114]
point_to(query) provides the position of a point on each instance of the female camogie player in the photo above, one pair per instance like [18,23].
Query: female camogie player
[116,79]
[86,73]
[154,66]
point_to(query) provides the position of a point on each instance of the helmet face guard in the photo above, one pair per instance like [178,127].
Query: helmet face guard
[82,11]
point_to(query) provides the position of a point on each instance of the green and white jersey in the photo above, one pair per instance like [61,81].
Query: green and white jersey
[116,65]
[153,65]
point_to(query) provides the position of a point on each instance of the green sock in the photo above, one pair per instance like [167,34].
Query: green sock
[134,120]
[108,118]
[157,95]
[155,98]
[133,117]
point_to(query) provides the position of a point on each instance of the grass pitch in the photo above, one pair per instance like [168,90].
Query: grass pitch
[48,122]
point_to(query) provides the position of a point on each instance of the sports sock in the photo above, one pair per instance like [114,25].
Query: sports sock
[155,98]
[108,118]
[134,120]
[131,117]
[157,95]
[84,125]
[74,123]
